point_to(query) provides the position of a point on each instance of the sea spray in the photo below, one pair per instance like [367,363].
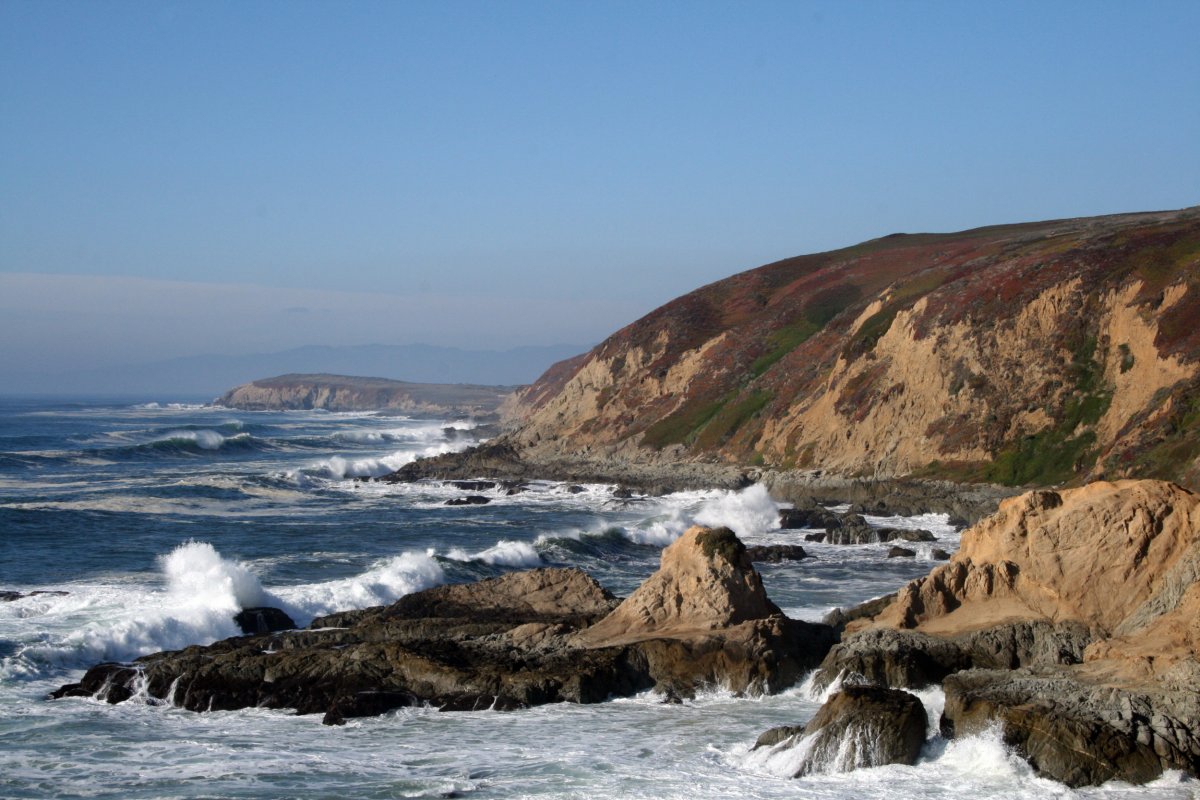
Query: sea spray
[204,591]
[385,582]
[746,512]
[198,575]
[504,553]
[341,468]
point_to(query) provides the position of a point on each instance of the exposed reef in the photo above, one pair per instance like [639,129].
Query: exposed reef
[523,639]
[499,460]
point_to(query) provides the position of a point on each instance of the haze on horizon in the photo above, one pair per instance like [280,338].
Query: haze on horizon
[185,179]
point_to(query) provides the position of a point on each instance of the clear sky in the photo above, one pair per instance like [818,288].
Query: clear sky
[241,176]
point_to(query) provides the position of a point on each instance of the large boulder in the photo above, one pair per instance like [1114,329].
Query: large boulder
[263,619]
[704,618]
[775,553]
[914,659]
[858,727]
[1046,555]
[1077,731]
[705,583]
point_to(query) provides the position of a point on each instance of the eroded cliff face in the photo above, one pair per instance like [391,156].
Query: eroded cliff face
[1018,354]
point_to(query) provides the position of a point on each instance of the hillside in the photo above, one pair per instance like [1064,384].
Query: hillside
[1019,354]
[345,393]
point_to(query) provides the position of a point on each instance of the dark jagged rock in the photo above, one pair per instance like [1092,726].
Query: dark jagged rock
[906,534]
[513,641]
[110,681]
[10,596]
[901,552]
[808,517]
[773,736]
[938,554]
[853,529]
[473,486]
[1076,732]
[839,617]
[776,553]
[263,619]
[911,659]
[469,500]
[859,727]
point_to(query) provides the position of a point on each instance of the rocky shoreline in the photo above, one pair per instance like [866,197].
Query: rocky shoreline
[519,640]
[500,460]
[1069,619]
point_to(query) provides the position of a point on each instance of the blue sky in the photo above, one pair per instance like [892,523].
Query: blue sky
[512,173]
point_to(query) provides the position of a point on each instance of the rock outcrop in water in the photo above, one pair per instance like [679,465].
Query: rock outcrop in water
[1072,618]
[348,393]
[523,639]
[858,727]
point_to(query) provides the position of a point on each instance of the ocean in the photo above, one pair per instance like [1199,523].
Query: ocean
[148,524]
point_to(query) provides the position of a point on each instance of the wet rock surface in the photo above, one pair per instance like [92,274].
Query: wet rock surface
[469,500]
[522,639]
[858,727]
[263,619]
[776,553]
[1077,732]
[9,596]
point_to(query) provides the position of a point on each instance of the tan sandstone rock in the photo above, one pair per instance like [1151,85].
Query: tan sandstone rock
[705,583]
[1118,557]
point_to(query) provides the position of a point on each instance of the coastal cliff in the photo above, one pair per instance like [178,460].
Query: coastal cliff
[346,393]
[1018,354]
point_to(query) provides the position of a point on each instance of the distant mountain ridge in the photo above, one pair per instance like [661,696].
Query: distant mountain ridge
[349,393]
[1033,353]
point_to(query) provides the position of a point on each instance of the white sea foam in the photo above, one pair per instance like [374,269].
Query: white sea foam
[204,591]
[198,573]
[205,439]
[503,553]
[341,468]
[747,512]
[383,583]
[171,406]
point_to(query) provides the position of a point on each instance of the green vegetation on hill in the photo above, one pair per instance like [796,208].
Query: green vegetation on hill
[1055,455]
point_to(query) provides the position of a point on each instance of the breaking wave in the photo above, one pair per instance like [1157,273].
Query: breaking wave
[504,553]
